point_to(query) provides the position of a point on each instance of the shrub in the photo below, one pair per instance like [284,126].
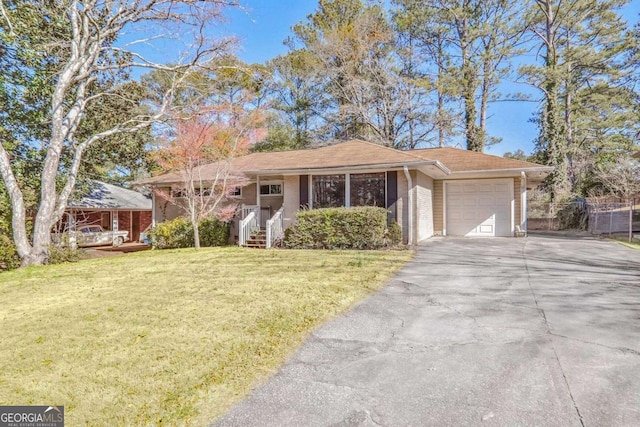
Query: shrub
[63,254]
[178,233]
[213,232]
[573,215]
[394,233]
[172,234]
[342,228]
[9,258]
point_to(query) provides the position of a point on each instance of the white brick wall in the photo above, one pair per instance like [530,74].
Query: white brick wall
[424,206]
[402,206]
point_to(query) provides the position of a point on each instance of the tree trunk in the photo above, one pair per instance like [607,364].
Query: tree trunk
[441,107]
[552,130]
[18,214]
[474,142]
[484,96]
[196,233]
[568,122]
[468,91]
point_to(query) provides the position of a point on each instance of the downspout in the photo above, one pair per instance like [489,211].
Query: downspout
[523,202]
[153,208]
[410,210]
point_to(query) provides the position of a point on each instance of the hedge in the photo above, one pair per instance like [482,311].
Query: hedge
[343,228]
[178,233]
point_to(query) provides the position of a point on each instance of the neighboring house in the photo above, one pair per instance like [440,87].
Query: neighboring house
[114,208]
[433,191]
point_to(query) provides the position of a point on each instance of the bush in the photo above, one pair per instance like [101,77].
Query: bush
[342,228]
[172,234]
[573,215]
[213,232]
[394,233]
[62,254]
[178,233]
[9,258]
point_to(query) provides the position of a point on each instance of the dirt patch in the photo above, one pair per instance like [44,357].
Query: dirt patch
[107,251]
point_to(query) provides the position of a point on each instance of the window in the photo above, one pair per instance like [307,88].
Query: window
[270,189]
[364,189]
[367,189]
[328,191]
[178,193]
[236,192]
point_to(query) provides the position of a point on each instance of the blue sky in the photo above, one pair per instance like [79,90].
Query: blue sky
[265,24]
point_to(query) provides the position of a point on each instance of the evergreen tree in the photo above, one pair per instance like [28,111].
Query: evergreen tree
[583,47]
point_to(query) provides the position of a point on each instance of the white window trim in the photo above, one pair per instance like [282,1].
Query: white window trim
[269,183]
[237,195]
[347,190]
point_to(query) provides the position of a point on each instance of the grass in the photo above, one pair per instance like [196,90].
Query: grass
[624,240]
[168,337]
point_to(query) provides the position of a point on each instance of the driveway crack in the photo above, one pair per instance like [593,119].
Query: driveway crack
[625,350]
[548,327]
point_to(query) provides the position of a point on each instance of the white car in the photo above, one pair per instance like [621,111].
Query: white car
[94,235]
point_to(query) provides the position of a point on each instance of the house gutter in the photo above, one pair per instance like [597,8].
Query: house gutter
[498,172]
[410,210]
[330,169]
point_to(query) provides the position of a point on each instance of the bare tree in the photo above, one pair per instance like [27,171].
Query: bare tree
[620,178]
[352,46]
[98,41]
[199,150]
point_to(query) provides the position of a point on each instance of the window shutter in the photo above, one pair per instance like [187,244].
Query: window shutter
[392,192]
[304,191]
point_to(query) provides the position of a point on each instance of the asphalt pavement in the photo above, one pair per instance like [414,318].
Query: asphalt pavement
[543,331]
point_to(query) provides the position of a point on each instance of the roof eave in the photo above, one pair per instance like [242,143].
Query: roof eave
[507,171]
[107,208]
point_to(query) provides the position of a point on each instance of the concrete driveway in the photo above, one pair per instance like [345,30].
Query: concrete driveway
[538,331]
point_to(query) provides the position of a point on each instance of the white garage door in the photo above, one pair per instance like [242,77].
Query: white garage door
[479,207]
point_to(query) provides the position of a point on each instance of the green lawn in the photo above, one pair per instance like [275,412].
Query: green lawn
[633,245]
[624,240]
[168,337]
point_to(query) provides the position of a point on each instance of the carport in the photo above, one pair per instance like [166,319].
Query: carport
[112,207]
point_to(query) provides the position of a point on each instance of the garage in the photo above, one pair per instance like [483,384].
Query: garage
[479,208]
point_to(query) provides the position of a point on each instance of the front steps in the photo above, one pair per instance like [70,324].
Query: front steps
[258,240]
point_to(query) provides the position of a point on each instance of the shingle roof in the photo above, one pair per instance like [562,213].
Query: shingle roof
[356,153]
[345,154]
[107,196]
[458,160]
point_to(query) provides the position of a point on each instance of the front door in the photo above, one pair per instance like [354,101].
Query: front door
[265,215]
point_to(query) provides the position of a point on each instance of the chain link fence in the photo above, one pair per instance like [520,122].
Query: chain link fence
[547,216]
[595,216]
[613,218]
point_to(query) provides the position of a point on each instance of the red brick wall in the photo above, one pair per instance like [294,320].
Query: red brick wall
[145,220]
[124,221]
